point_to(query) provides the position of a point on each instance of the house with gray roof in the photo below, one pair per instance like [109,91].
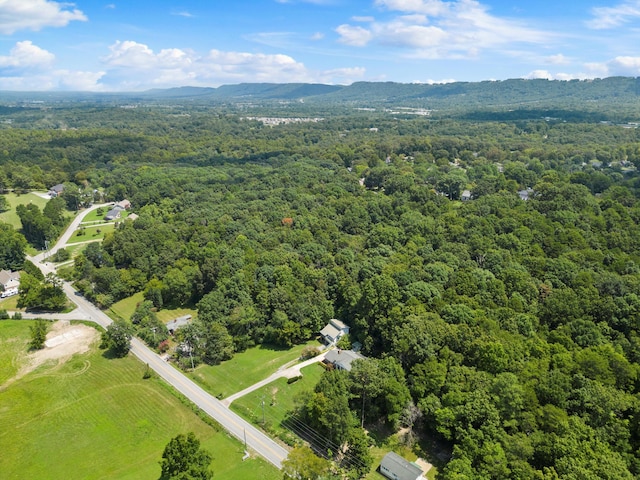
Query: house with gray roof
[9,279]
[177,323]
[342,359]
[334,331]
[395,467]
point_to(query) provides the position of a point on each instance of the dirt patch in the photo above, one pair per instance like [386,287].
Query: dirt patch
[423,464]
[63,341]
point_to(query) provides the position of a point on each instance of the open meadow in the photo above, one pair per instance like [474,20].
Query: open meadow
[245,368]
[92,417]
[10,216]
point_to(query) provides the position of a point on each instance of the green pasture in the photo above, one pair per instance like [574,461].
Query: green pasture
[91,233]
[245,368]
[279,398]
[97,418]
[10,216]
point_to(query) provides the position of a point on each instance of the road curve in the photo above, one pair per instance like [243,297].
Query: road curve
[234,424]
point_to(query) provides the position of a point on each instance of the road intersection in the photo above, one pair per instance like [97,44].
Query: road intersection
[254,438]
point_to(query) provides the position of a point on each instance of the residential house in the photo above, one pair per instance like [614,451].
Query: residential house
[178,323]
[9,283]
[395,467]
[525,194]
[341,359]
[56,190]
[334,331]
[124,204]
[466,195]
[133,217]
[113,214]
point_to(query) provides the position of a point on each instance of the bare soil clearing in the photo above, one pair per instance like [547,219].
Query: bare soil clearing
[63,341]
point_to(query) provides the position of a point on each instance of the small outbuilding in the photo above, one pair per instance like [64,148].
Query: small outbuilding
[395,467]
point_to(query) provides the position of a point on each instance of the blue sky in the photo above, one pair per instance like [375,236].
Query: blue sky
[119,45]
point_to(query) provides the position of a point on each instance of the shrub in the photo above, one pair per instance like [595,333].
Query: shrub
[294,379]
[4,315]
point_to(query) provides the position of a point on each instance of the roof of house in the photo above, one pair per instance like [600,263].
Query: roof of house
[57,188]
[132,216]
[333,329]
[342,358]
[113,213]
[124,204]
[7,275]
[176,323]
[402,468]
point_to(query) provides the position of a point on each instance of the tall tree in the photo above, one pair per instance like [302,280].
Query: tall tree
[184,459]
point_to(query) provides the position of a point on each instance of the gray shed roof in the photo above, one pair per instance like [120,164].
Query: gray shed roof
[397,468]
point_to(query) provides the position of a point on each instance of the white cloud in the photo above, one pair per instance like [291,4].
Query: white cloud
[363,19]
[428,7]
[558,59]
[183,14]
[30,67]
[344,76]
[625,66]
[354,36]
[610,17]
[25,55]
[317,36]
[441,29]
[137,66]
[34,15]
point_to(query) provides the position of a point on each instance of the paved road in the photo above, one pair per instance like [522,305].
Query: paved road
[64,238]
[234,424]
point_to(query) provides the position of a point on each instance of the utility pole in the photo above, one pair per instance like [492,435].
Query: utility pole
[263,410]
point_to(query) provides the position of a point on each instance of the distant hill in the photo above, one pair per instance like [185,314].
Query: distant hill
[512,99]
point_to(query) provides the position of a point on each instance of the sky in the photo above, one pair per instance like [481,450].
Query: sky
[134,45]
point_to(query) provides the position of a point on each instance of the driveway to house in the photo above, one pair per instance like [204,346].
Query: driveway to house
[241,429]
[286,372]
[64,238]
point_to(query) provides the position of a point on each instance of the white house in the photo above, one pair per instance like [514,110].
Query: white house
[334,331]
[9,283]
[342,359]
[395,467]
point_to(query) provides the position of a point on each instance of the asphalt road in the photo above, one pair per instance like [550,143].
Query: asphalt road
[255,439]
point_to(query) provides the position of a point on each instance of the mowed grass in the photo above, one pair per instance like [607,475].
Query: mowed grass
[91,233]
[245,368]
[14,341]
[96,418]
[279,398]
[125,308]
[10,216]
[10,303]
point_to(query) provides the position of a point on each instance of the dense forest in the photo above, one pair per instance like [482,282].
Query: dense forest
[490,269]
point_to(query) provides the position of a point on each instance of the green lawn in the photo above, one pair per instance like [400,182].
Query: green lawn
[91,233]
[96,418]
[94,216]
[279,398]
[14,200]
[9,303]
[125,308]
[244,369]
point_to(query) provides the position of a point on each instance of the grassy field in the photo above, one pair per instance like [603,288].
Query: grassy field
[244,369]
[14,200]
[96,418]
[279,398]
[125,308]
[9,303]
[91,233]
